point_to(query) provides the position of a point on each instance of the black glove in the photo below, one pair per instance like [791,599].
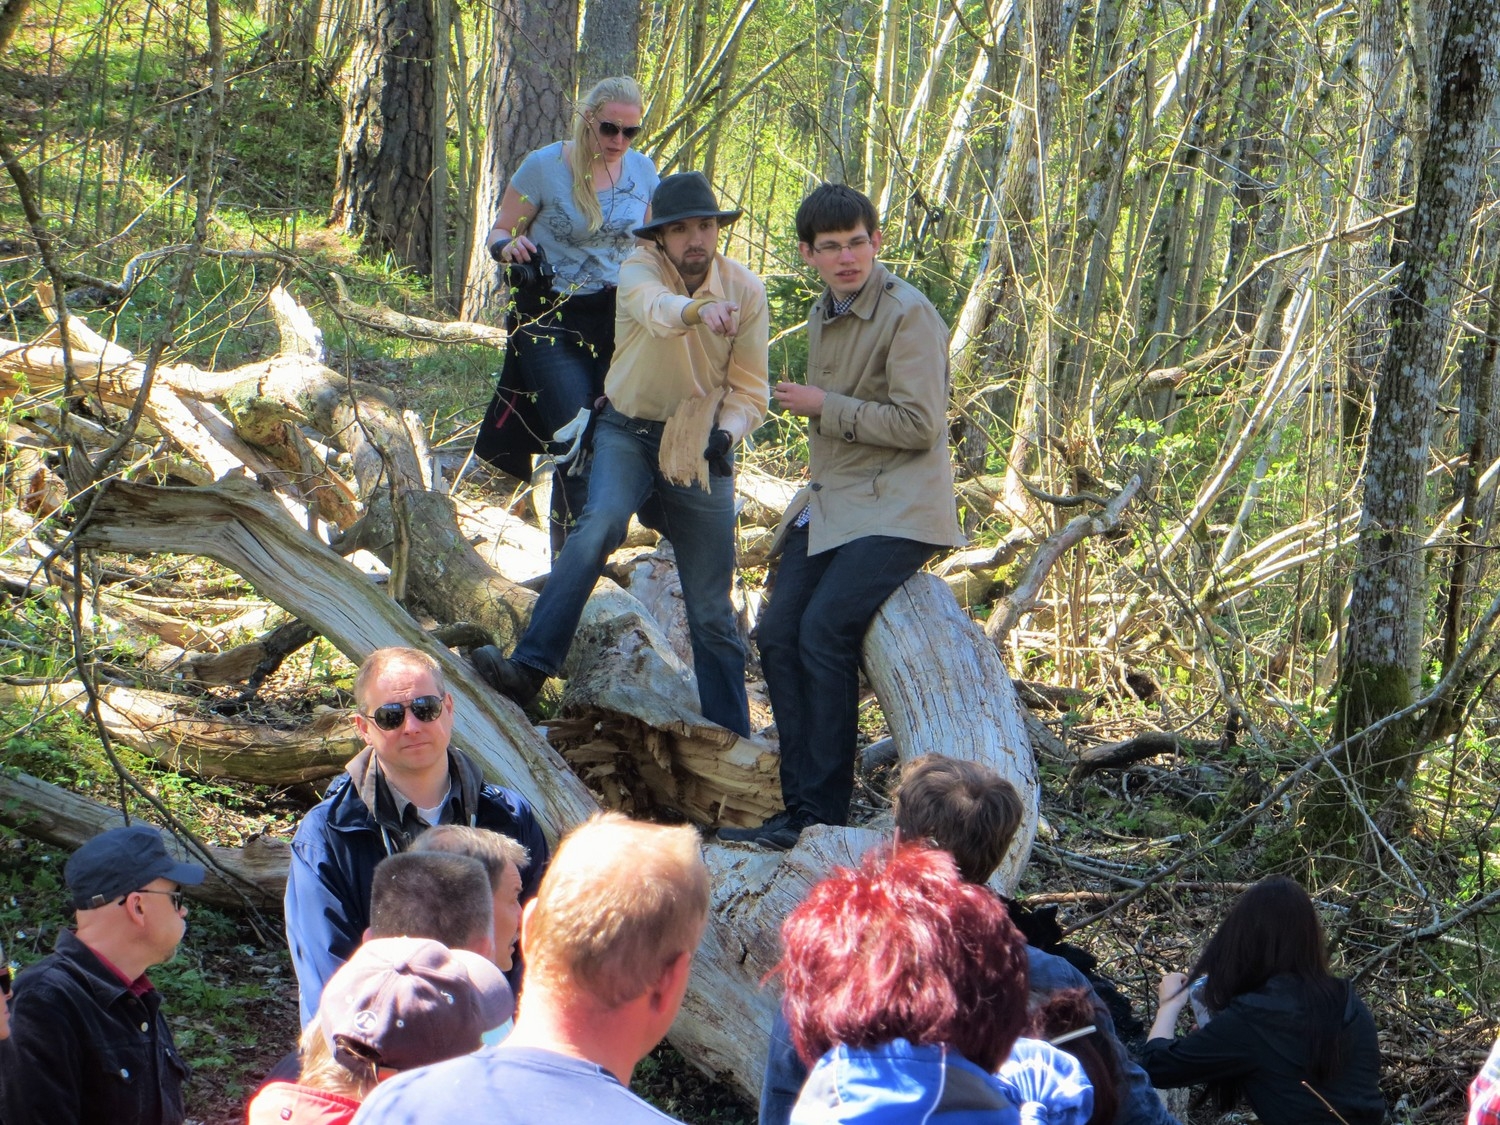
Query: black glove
[717,454]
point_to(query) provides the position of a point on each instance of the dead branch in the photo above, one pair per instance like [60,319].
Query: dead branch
[1010,609]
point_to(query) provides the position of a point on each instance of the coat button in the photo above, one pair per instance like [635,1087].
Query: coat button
[817,487]
[890,285]
[848,435]
[145,1027]
[124,1073]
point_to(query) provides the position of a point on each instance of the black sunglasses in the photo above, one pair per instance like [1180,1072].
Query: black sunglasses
[178,897]
[5,979]
[389,716]
[610,129]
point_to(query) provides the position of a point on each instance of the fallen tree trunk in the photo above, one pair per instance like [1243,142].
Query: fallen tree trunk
[256,871]
[156,724]
[238,525]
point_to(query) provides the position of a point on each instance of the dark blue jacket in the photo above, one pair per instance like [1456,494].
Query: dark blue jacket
[340,841]
[1139,1103]
[83,1050]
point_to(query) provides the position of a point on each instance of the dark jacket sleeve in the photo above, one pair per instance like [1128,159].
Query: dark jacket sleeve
[784,1076]
[41,1062]
[320,928]
[503,810]
[1222,1049]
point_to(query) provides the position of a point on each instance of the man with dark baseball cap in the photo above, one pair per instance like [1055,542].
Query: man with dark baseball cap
[91,1043]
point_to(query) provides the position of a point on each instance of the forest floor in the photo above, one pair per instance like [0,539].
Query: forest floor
[231,995]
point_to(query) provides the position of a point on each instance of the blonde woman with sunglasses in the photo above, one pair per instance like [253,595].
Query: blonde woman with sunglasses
[565,225]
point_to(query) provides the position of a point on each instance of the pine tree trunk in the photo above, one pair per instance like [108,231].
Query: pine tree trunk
[383,189]
[530,104]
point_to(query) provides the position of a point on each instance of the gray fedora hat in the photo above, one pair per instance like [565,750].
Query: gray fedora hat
[684,195]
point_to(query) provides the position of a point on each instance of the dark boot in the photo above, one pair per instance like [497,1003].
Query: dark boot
[519,682]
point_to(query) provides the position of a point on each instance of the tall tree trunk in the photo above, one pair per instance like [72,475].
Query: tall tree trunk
[530,104]
[383,189]
[1383,651]
[1372,194]
[609,42]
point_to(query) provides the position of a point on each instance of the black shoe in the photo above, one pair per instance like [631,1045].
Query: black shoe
[519,682]
[752,835]
[780,833]
[784,837]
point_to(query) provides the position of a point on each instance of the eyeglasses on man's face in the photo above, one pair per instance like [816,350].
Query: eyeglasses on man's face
[610,129]
[829,249]
[390,716]
[178,897]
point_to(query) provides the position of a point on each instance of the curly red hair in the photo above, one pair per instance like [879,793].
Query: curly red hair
[904,948]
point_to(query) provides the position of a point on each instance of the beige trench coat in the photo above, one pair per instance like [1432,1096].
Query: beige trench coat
[879,451]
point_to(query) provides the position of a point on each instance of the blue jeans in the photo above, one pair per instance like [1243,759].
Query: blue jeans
[564,352]
[810,637]
[701,527]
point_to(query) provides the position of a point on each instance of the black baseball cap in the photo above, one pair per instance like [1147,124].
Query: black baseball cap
[122,860]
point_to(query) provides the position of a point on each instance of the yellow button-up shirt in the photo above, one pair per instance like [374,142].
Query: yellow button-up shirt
[659,361]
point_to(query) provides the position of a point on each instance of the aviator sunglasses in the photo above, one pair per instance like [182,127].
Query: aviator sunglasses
[389,716]
[610,129]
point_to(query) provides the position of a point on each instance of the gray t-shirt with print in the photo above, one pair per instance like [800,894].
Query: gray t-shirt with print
[585,263]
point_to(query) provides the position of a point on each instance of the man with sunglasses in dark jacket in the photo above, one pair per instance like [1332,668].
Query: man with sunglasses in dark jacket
[406,780]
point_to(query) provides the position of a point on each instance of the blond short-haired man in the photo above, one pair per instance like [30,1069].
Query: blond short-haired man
[608,941]
[406,780]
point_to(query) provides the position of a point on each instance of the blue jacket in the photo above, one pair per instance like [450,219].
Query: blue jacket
[1139,1103]
[897,1083]
[340,841]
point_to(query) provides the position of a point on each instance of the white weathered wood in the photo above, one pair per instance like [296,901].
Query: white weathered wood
[944,691]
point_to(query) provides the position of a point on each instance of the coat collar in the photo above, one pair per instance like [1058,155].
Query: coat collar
[866,301]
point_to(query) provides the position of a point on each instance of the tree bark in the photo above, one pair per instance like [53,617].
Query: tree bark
[609,43]
[383,186]
[529,104]
[1383,652]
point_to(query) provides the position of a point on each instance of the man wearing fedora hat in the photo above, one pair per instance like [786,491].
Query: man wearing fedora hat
[91,1043]
[688,374]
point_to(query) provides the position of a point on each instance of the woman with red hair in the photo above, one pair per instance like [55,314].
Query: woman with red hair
[905,990]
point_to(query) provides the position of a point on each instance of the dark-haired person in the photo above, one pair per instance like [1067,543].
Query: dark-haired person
[435,896]
[970,811]
[878,507]
[406,780]
[905,989]
[91,1043]
[578,202]
[1283,1032]
[688,375]
[1068,1020]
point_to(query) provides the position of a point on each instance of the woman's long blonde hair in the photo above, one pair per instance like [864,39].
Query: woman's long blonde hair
[581,156]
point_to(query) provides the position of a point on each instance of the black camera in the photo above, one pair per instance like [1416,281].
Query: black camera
[535,274]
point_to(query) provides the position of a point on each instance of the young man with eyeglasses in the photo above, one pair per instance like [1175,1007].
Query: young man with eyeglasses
[90,1041]
[406,780]
[878,507]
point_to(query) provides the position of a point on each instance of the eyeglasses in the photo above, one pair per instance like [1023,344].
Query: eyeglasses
[389,716]
[6,976]
[610,129]
[178,897]
[856,244]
